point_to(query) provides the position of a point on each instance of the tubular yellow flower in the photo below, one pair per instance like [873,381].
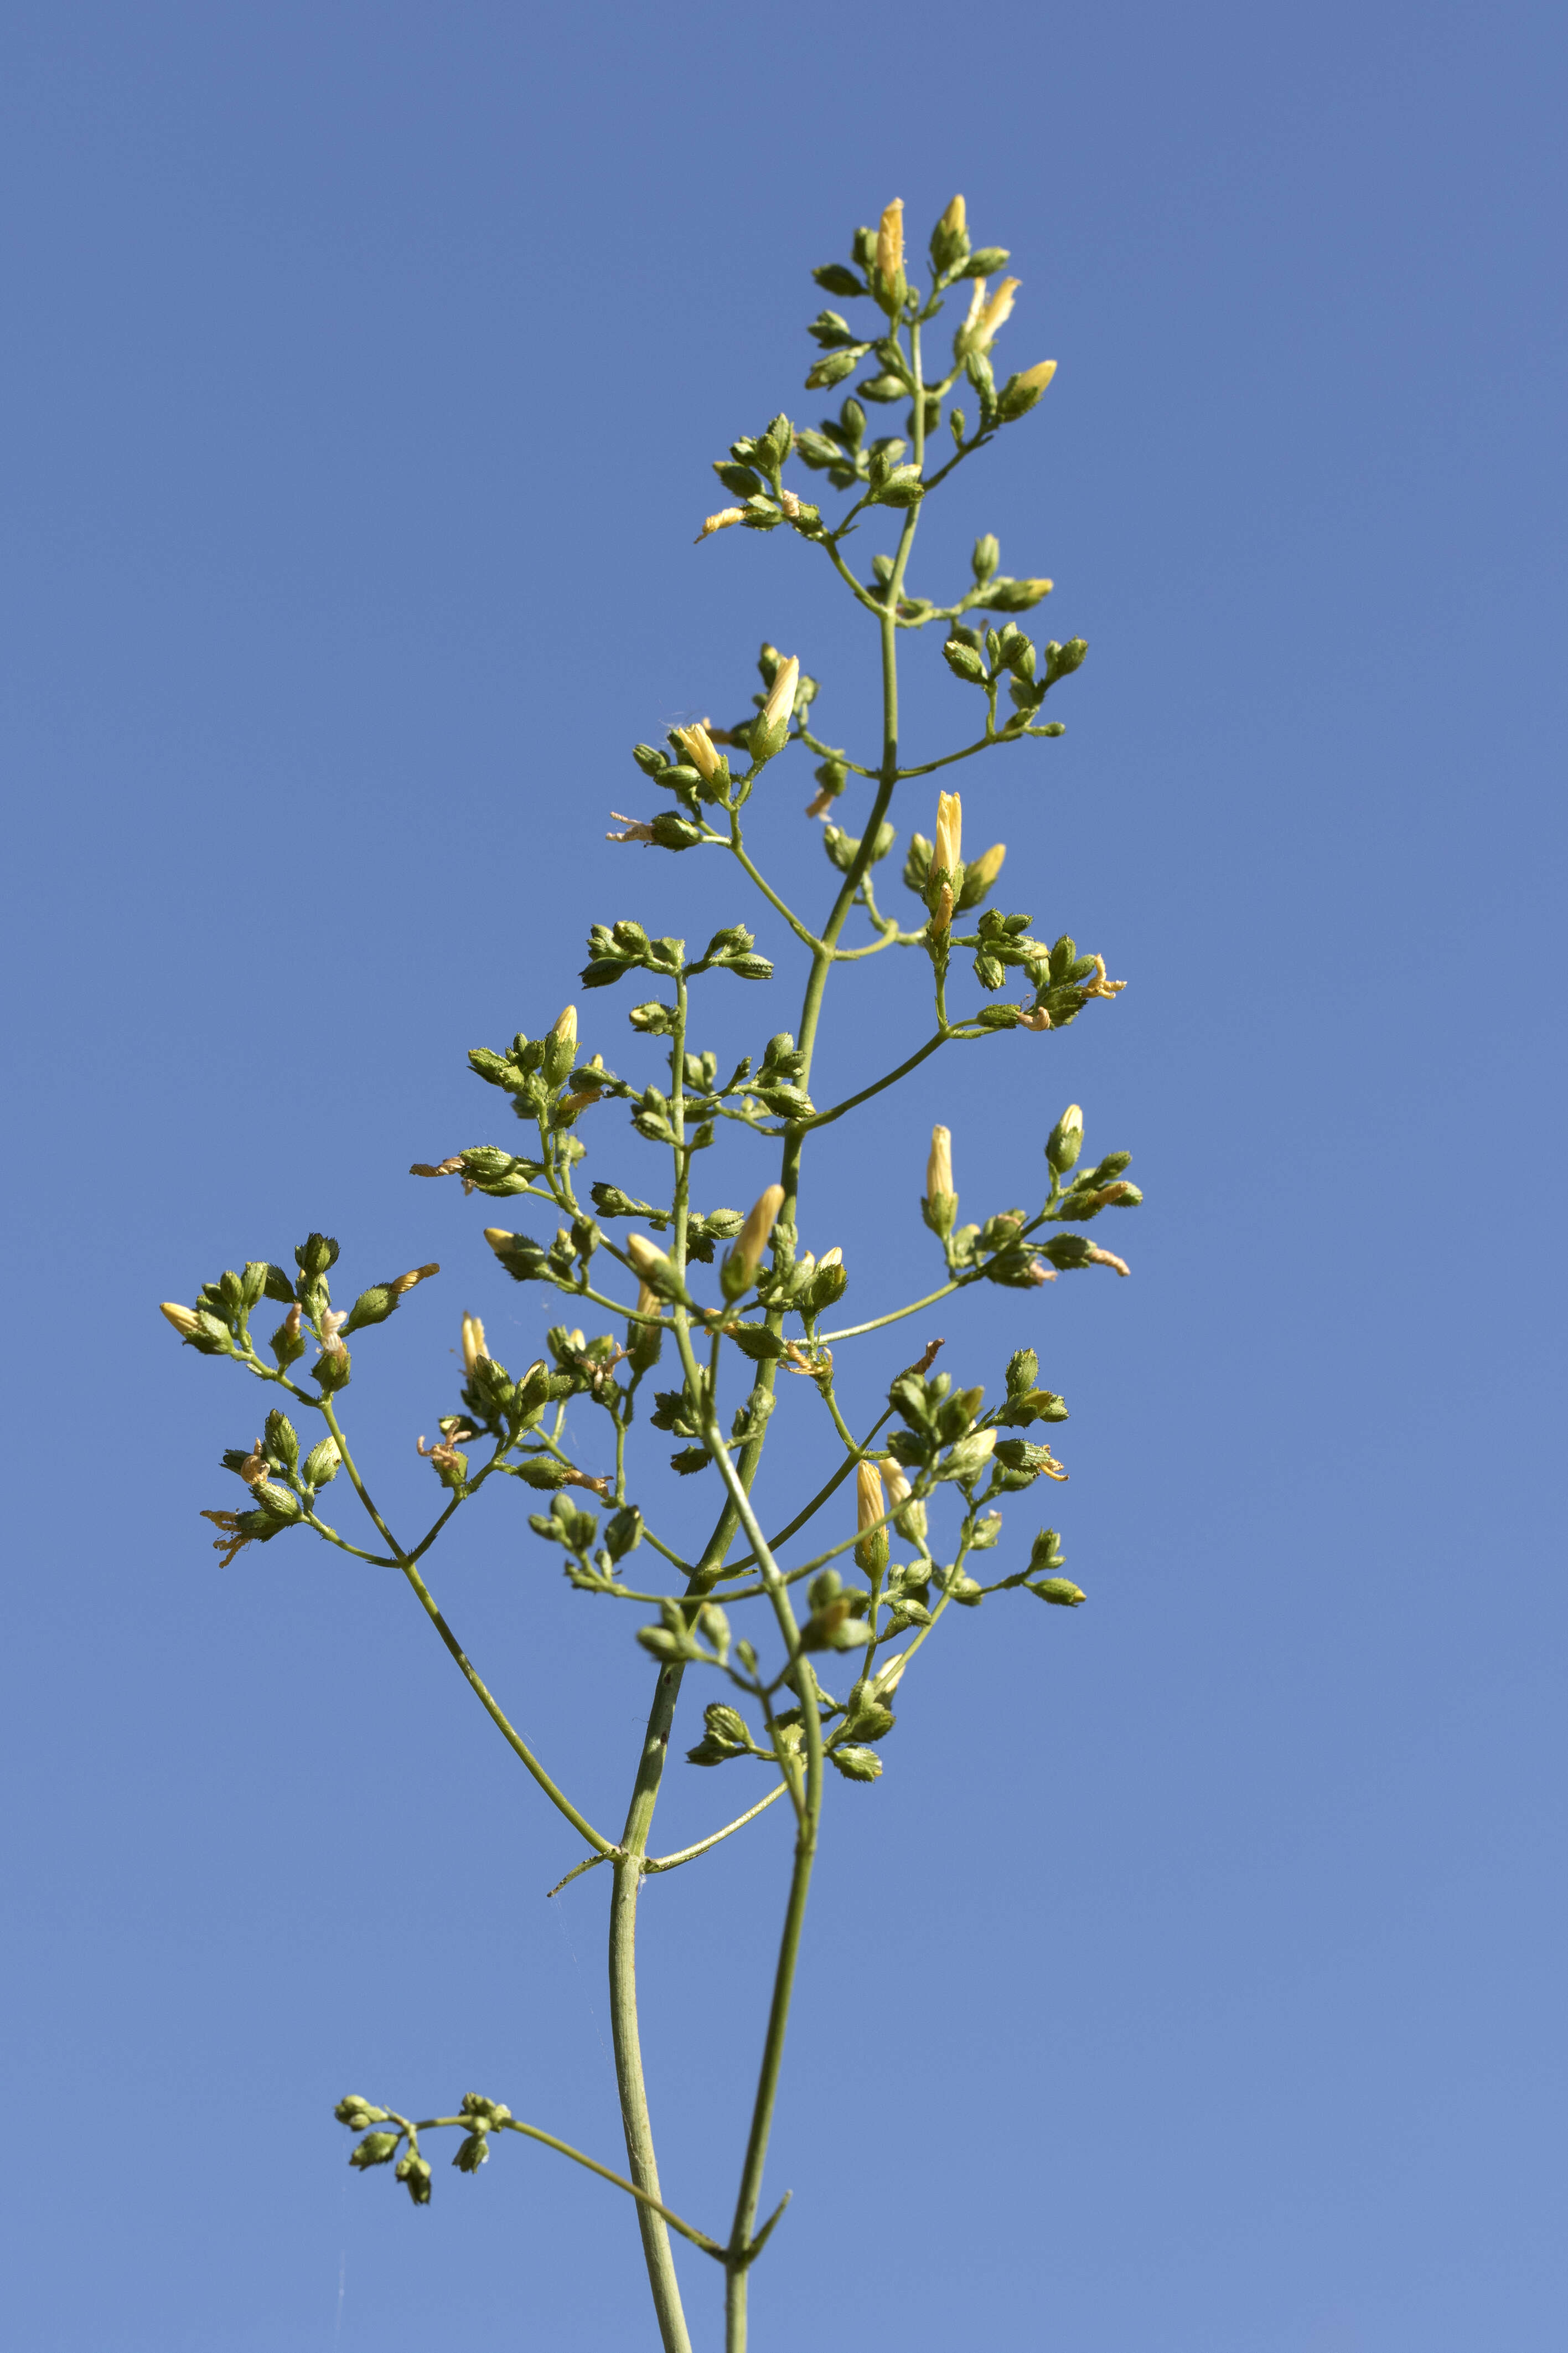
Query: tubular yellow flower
[643,1255]
[891,240]
[938,1166]
[183,1319]
[698,746]
[955,220]
[752,1238]
[780,703]
[648,1300]
[719,522]
[473,1343]
[941,913]
[871,1505]
[995,314]
[948,850]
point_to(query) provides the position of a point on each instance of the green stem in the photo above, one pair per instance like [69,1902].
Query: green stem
[513,1738]
[630,2079]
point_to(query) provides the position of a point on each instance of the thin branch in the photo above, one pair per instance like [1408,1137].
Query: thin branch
[671,1862]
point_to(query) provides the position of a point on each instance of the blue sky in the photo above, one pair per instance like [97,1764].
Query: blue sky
[1191,1983]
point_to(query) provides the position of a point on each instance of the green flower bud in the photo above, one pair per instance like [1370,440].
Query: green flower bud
[1066,1140]
[1059,1589]
[374,2150]
[281,1441]
[856,1764]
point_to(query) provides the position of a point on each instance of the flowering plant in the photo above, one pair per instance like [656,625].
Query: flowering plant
[723,1299]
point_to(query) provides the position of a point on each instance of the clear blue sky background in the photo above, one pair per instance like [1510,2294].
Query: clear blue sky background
[1191,1983]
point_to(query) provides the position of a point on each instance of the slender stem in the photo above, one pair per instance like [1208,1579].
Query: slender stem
[896,1315]
[564,2149]
[826,1118]
[630,2079]
[514,1739]
[687,1854]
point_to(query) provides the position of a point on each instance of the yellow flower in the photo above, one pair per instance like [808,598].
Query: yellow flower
[955,220]
[780,703]
[473,1343]
[891,240]
[870,1507]
[719,522]
[698,746]
[987,868]
[752,1238]
[184,1319]
[564,1025]
[938,1166]
[948,852]
[1039,375]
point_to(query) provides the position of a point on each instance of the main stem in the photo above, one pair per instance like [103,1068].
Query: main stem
[735,1515]
[739,2266]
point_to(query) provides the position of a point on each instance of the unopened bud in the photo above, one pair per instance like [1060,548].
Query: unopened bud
[1066,1140]
[474,1347]
[909,1518]
[184,1320]
[741,1266]
[1059,1589]
[769,731]
[947,852]
[644,1341]
[870,1507]
[939,1163]
[891,241]
[1020,393]
[981,873]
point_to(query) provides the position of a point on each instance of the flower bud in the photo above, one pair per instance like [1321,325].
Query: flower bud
[981,873]
[1059,1589]
[910,1519]
[741,1266]
[941,1203]
[1066,1140]
[288,1343]
[1020,393]
[560,1047]
[871,1505]
[770,732]
[891,240]
[950,237]
[644,1341]
[474,1347]
[185,1320]
[947,851]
